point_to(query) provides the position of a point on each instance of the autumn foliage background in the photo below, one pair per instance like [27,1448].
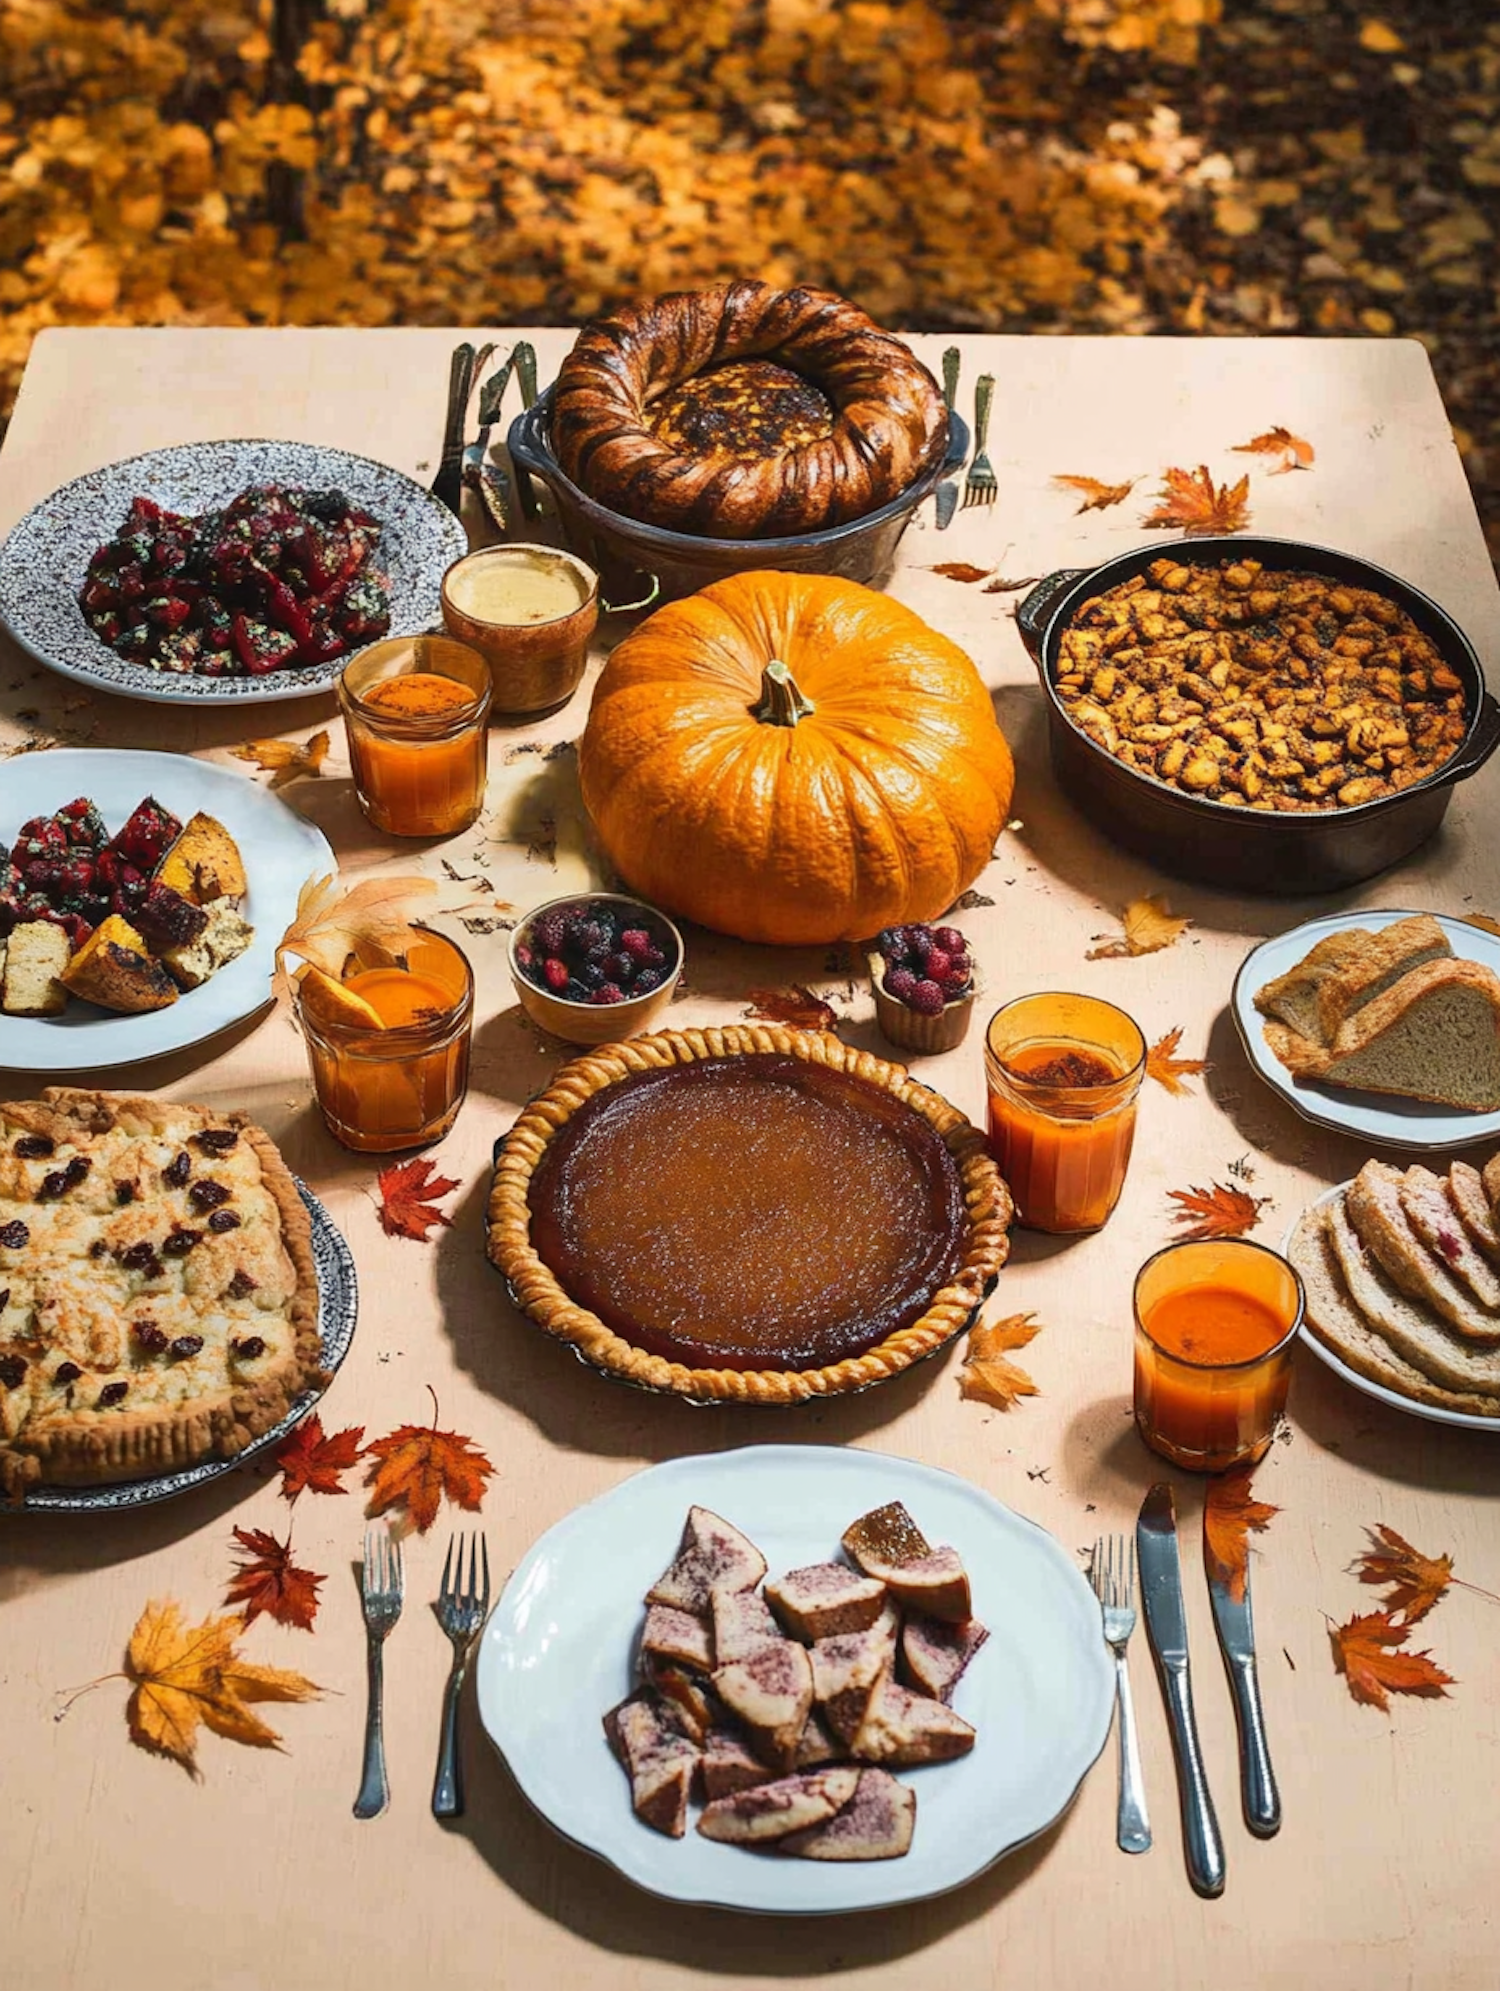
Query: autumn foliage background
[1123,166]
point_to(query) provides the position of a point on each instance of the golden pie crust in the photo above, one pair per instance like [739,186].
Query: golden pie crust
[185,1226]
[988,1212]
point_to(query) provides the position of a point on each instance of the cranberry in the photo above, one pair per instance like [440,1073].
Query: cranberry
[12,1371]
[140,1257]
[207,1195]
[35,1147]
[13,1235]
[52,1186]
[216,1140]
[186,1345]
[113,1393]
[178,1169]
[224,1220]
[149,1337]
[180,1242]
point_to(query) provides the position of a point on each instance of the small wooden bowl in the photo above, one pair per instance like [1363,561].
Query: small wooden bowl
[909,1028]
[598,1023]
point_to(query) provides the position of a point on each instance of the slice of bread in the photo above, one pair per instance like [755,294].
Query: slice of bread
[935,1655]
[1411,1328]
[743,1625]
[1489,1175]
[1292,998]
[1434,1035]
[876,1824]
[846,1669]
[1466,1192]
[771,1695]
[902,1727]
[1304,1057]
[36,960]
[1430,1212]
[768,1812]
[711,1552]
[825,1599]
[679,1636]
[659,1760]
[1375,1209]
[1373,967]
[114,969]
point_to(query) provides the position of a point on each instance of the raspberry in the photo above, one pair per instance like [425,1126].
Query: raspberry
[550,931]
[611,992]
[654,957]
[555,974]
[936,965]
[636,942]
[959,971]
[950,939]
[524,956]
[900,982]
[927,999]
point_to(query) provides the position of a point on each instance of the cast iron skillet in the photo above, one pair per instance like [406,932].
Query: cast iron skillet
[1228,844]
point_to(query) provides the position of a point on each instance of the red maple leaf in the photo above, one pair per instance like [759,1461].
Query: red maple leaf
[408,1190]
[420,1464]
[1229,1513]
[311,1462]
[1364,1652]
[267,1579]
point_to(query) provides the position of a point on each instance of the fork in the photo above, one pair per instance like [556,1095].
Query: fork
[380,1590]
[980,485]
[462,1608]
[1112,1574]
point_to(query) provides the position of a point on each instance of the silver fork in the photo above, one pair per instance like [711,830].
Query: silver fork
[1112,1574]
[462,1607]
[980,485]
[380,1589]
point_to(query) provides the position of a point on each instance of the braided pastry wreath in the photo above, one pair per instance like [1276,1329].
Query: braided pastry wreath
[744,412]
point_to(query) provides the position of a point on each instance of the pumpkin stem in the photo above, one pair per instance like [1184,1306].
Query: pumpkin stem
[782,704]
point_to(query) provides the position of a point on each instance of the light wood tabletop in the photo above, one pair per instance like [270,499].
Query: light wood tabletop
[120,1870]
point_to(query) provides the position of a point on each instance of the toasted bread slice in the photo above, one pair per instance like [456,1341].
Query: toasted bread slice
[711,1552]
[1489,1175]
[204,863]
[1430,1212]
[114,969]
[825,1599]
[1411,1327]
[771,1695]
[1376,965]
[770,1811]
[1292,998]
[1375,1209]
[1466,1192]
[935,1655]
[36,960]
[679,1636]
[876,1824]
[658,1758]
[1434,1035]
[902,1727]
[742,1624]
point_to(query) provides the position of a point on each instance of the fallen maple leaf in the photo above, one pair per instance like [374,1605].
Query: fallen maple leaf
[419,1464]
[1219,1212]
[371,919]
[1417,1581]
[283,759]
[1363,1651]
[311,1462]
[960,570]
[1191,502]
[186,1674]
[987,1375]
[408,1190]
[797,1007]
[270,1581]
[1229,1514]
[1167,1068]
[1295,453]
[1149,926]
[1097,496]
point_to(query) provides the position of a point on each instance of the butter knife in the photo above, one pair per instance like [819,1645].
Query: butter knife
[1236,1628]
[523,358]
[1166,1629]
[945,504]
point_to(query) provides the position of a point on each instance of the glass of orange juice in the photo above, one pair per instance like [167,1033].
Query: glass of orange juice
[389,1044]
[1214,1325]
[415,711]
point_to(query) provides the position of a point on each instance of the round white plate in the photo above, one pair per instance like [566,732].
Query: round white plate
[281,852]
[45,559]
[1434,1412]
[557,1654]
[1373,1116]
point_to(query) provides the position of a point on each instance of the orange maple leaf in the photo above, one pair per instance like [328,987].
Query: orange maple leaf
[408,1190]
[1189,500]
[311,1462]
[1417,1581]
[1364,1652]
[1097,496]
[188,1674]
[284,760]
[372,920]
[266,1579]
[987,1375]
[1294,451]
[419,1464]
[797,1007]
[1229,1514]
[1149,925]
[1216,1212]
[1167,1068]
[960,570]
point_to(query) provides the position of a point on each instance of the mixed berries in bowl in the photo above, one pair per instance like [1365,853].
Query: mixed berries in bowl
[595,967]
[925,981]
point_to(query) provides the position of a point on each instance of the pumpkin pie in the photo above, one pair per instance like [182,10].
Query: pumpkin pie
[750,1213]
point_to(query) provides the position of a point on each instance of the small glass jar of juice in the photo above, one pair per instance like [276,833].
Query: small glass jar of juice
[1214,1327]
[415,709]
[389,1044]
[1063,1073]
[530,612]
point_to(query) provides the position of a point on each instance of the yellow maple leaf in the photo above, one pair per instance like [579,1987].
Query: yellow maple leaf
[371,919]
[187,1675]
[284,760]
[1149,926]
[987,1375]
[1163,1064]
[1097,496]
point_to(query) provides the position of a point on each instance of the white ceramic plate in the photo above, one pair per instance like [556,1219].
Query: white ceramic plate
[557,1653]
[281,852]
[45,559]
[1373,1116]
[1434,1412]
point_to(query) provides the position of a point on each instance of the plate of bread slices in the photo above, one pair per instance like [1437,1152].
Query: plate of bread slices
[797,1680]
[1401,1270]
[1381,1024]
[142,897]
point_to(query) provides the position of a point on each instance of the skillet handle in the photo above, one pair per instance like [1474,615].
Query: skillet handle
[1468,760]
[1033,613]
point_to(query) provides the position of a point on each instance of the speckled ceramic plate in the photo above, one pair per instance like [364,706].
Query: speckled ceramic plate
[338,1309]
[45,559]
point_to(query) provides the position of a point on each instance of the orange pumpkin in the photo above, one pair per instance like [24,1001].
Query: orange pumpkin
[795,759]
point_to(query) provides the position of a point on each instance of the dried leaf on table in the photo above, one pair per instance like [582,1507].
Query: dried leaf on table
[1229,1515]
[1149,925]
[419,1465]
[408,1190]
[283,759]
[1190,501]
[1097,496]
[987,1374]
[190,1674]
[1216,1212]
[960,570]
[1483,920]
[266,1579]
[797,1007]
[1163,1064]
[1364,1652]
[372,918]
[311,1462]
[1416,1581]
[1295,453]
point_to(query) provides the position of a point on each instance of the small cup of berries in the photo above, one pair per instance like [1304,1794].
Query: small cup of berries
[925,982]
[596,967]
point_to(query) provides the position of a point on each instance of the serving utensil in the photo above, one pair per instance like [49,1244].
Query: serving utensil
[1166,1629]
[479,474]
[945,504]
[1233,1622]
[447,486]
[524,360]
[981,485]
[463,1605]
[1112,1573]
[380,1592]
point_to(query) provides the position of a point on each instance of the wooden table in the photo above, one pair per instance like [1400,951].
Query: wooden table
[118,1870]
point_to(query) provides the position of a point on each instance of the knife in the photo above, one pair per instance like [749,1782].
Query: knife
[1166,1628]
[523,358]
[448,483]
[1236,1629]
[945,504]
